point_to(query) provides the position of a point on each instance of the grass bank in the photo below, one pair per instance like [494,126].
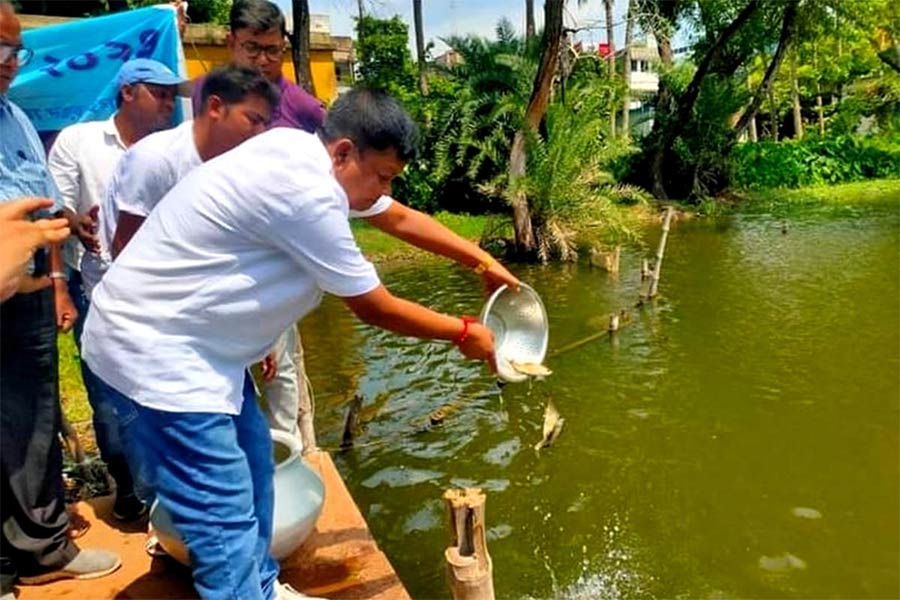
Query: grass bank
[858,193]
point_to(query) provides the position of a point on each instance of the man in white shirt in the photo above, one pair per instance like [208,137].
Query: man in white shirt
[81,162]
[243,247]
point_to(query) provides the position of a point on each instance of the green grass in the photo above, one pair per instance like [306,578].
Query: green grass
[858,193]
[380,246]
[71,390]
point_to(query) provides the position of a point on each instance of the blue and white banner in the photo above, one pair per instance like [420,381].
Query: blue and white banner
[72,75]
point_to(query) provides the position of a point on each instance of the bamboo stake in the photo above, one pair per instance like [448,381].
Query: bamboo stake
[469,565]
[654,283]
[613,323]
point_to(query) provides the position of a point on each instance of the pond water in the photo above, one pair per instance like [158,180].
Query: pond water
[738,438]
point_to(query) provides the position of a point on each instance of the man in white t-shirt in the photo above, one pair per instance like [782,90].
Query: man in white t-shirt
[81,162]
[243,247]
[237,104]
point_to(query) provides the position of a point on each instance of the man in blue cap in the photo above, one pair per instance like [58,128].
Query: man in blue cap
[82,161]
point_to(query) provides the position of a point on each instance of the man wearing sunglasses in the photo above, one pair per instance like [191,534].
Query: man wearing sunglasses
[33,542]
[82,161]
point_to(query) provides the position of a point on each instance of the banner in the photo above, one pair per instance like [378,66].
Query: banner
[72,75]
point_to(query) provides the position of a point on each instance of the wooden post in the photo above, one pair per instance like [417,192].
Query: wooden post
[654,283]
[306,410]
[469,565]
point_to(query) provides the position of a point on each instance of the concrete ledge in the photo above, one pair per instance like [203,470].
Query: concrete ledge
[339,560]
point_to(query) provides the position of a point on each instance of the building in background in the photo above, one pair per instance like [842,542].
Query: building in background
[644,67]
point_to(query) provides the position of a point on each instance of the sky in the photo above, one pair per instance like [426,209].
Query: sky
[448,17]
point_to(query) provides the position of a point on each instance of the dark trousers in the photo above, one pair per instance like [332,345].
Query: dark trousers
[32,502]
[106,429]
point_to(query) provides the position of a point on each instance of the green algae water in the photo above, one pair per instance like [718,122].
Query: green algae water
[737,439]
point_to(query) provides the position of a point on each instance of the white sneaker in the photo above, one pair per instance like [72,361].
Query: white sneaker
[284,591]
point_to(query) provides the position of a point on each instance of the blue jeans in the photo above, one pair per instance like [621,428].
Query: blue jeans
[214,473]
[106,430]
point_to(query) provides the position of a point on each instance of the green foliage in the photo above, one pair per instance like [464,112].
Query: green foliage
[385,62]
[468,121]
[572,194]
[814,161]
[199,11]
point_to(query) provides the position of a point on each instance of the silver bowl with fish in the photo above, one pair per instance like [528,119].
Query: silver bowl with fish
[521,331]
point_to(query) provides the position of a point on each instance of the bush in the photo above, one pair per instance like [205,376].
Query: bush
[813,161]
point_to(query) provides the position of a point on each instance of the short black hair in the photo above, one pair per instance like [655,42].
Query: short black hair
[233,83]
[257,16]
[371,119]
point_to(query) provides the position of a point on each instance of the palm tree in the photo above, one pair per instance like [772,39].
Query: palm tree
[537,107]
[420,46]
[529,19]
[626,72]
[611,57]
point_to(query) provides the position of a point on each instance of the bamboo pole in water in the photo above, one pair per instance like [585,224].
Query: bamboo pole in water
[469,565]
[661,250]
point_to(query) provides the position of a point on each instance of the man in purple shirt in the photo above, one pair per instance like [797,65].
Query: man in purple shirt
[257,39]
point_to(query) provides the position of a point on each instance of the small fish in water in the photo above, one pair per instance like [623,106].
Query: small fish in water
[553,425]
[782,564]
[351,422]
[530,369]
[805,512]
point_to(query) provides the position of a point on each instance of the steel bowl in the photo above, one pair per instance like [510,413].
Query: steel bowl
[521,330]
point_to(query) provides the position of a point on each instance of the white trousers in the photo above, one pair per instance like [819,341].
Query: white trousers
[283,392]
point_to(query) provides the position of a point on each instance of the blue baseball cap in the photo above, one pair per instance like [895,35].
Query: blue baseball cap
[145,70]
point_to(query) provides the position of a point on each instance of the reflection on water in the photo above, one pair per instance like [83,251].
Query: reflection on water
[737,439]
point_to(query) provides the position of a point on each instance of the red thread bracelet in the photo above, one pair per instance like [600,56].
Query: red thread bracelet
[465,332]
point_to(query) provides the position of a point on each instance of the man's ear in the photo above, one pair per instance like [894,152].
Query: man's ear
[341,152]
[230,41]
[215,108]
[128,92]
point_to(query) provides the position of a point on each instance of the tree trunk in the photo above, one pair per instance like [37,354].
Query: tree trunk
[787,31]
[611,58]
[819,109]
[795,98]
[537,107]
[300,45]
[626,70]
[773,116]
[529,19]
[420,46]
[685,104]
[361,8]
[661,19]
